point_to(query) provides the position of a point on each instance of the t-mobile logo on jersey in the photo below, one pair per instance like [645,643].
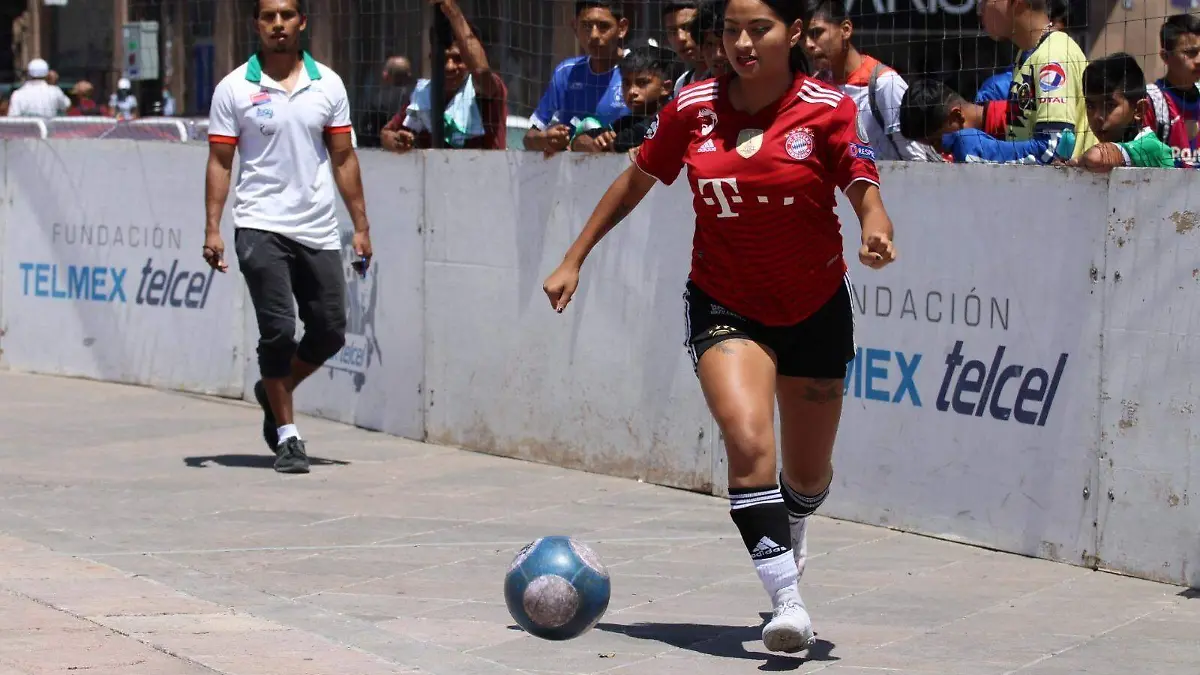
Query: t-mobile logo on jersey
[718,189]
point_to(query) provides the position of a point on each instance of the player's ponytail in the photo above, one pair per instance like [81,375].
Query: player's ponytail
[791,11]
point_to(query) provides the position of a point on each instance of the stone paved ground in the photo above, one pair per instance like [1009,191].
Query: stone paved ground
[141,534]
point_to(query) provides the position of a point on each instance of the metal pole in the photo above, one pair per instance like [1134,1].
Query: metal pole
[437,77]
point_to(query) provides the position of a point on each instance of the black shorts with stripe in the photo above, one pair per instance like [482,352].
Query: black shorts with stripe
[820,346]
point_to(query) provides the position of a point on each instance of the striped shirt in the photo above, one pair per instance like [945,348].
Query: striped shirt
[768,244]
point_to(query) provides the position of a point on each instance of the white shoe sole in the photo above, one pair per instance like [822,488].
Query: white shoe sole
[787,638]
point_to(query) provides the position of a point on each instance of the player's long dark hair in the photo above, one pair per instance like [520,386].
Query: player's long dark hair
[791,11]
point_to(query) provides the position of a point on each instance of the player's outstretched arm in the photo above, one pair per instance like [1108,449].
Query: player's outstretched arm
[877,249]
[217,177]
[626,192]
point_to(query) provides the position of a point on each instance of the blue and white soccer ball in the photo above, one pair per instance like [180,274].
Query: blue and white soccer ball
[557,588]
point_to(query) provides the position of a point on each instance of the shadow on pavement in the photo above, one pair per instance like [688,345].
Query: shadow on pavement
[252,461]
[721,641]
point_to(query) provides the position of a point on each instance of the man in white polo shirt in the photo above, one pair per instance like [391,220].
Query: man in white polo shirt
[288,118]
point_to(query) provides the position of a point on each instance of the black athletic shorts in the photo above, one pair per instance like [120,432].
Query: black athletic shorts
[286,278]
[820,346]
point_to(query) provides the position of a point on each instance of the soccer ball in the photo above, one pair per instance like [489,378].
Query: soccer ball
[557,588]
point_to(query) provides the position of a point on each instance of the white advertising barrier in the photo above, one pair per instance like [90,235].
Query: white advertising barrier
[606,386]
[1024,378]
[374,382]
[104,276]
[970,406]
[1149,508]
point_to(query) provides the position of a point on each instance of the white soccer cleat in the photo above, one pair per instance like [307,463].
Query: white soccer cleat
[790,629]
[799,531]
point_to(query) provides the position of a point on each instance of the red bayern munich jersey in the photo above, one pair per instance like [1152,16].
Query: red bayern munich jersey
[768,244]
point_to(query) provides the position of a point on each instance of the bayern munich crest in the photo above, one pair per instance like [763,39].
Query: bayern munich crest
[799,143]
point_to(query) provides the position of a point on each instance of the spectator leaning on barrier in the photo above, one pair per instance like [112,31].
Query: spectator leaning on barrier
[1118,108]
[583,86]
[476,112]
[963,131]
[1046,97]
[707,30]
[875,88]
[647,74]
[678,18]
[996,87]
[288,118]
[939,117]
[37,97]
[1174,111]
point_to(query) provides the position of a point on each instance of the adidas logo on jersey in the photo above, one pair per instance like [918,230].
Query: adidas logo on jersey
[708,146]
[766,548]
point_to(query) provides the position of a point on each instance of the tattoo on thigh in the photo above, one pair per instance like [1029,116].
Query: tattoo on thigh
[824,391]
[729,347]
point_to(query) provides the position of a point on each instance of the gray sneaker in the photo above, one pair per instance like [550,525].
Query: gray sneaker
[292,457]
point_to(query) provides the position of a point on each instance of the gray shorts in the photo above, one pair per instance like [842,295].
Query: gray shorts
[283,275]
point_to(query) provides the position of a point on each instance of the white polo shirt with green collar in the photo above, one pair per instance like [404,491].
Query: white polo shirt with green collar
[285,183]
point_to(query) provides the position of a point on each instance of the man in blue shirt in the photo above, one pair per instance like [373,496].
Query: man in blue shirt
[583,86]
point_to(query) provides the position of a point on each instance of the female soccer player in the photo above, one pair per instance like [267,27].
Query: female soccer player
[768,308]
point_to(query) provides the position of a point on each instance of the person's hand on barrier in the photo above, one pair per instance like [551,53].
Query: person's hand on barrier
[400,140]
[606,140]
[602,143]
[558,137]
[877,250]
[214,252]
[560,286]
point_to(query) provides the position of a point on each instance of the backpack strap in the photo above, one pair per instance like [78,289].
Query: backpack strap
[1162,112]
[873,101]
